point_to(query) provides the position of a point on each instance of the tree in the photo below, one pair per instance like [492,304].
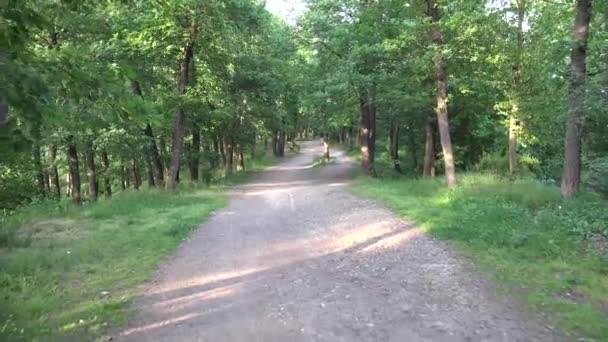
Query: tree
[576,103]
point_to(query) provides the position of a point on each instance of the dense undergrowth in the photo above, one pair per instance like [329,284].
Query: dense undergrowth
[68,273]
[551,253]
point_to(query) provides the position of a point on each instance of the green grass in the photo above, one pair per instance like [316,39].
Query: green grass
[69,273]
[552,254]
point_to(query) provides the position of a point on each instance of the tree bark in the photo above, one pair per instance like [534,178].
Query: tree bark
[150,172]
[222,149]
[106,174]
[413,148]
[178,127]
[74,170]
[367,133]
[441,109]
[123,178]
[241,157]
[195,150]
[513,157]
[576,102]
[394,144]
[229,148]
[216,149]
[136,174]
[281,147]
[38,167]
[513,117]
[275,145]
[91,172]
[154,155]
[429,149]
[53,173]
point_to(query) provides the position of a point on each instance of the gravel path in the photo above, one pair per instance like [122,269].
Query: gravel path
[296,257]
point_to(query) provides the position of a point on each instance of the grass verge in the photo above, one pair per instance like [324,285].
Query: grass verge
[551,253]
[68,273]
[71,271]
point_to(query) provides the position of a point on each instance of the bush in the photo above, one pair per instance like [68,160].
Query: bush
[596,177]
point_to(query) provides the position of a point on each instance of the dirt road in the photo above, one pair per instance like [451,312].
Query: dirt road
[296,257]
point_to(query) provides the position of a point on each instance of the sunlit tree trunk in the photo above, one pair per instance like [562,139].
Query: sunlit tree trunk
[53,172]
[178,127]
[513,157]
[394,144]
[441,107]
[91,171]
[429,149]
[513,117]
[123,178]
[367,133]
[574,130]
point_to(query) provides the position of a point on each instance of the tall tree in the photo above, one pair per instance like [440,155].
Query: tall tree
[576,102]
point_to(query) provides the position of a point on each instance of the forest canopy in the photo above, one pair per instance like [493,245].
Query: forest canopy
[101,96]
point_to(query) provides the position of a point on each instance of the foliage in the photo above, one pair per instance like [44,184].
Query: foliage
[69,272]
[552,254]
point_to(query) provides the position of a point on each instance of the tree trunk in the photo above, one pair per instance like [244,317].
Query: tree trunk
[413,148]
[394,145]
[229,157]
[576,101]
[513,117]
[241,165]
[155,159]
[150,172]
[107,186]
[53,173]
[281,144]
[178,127]
[38,167]
[91,172]
[367,134]
[429,149]
[123,177]
[74,170]
[218,153]
[136,174]
[513,158]
[275,145]
[441,109]
[68,183]
[195,151]
[222,149]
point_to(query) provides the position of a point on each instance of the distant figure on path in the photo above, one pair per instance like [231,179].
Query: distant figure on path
[325,150]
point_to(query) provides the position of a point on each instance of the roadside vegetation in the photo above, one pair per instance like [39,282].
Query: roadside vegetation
[69,272]
[548,252]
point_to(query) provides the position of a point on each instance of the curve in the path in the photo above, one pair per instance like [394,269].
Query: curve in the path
[296,257]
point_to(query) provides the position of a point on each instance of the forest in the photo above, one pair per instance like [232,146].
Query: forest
[118,94]
[104,99]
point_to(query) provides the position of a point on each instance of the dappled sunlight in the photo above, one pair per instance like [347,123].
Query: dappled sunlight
[205,279]
[361,235]
[393,241]
[181,302]
[161,324]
